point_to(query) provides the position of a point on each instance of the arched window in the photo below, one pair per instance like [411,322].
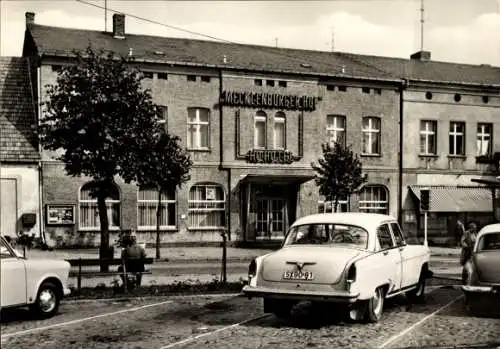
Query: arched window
[207,206]
[260,127]
[89,214]
[279,130]
[147,202]
[374,199]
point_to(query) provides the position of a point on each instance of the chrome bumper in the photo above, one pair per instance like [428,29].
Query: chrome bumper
[336,297]
[66,291]
[481,289]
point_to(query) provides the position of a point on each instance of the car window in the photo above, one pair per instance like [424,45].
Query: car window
[489,242]
[328,234]
[5,252]
[398,234]
[384,237]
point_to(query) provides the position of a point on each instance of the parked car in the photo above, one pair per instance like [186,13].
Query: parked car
[37,283]
[481,273]
[352,259]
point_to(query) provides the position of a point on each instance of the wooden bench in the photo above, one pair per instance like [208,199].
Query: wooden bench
[93,262]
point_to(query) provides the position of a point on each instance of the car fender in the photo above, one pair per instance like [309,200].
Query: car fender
[371,274]
[34,285]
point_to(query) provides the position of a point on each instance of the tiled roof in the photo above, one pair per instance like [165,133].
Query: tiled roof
[456,198]
[62,41]
[17,113]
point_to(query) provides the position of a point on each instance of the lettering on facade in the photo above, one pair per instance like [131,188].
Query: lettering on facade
[264,156]
[268,100]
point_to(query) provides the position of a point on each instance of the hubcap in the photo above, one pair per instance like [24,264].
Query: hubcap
[47,300]
[378,302]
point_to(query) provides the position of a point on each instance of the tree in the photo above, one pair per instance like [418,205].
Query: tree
[338,173]
[94,114]
[162,164]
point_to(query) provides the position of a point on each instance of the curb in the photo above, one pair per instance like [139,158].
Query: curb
[144,298]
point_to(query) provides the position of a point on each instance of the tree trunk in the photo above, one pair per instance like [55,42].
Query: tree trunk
[103,219]
[336,204]
[158,216]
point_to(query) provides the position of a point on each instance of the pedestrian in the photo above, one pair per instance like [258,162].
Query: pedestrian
[459,231]
[133,257]
[468,240]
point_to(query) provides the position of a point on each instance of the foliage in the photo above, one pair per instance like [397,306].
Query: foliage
[338,172]
[95,114]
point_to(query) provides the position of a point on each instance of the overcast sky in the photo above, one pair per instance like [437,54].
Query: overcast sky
[463,31]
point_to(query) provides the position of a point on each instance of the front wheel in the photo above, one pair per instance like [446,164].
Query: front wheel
[47,300]
[375,306]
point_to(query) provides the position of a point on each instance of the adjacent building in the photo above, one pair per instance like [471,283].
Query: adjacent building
[253,119]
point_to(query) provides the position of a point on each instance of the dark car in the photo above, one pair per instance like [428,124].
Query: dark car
[481,273]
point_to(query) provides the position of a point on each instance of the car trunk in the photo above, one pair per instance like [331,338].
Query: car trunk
[326,263]
[488,266]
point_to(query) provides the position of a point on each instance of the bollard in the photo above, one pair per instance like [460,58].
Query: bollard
[224,258]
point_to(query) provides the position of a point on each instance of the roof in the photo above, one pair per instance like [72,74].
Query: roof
[56,41]
[490,228]
[456,198]
[362,219]
[17,112]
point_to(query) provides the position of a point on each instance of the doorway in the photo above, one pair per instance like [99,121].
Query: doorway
[271,218]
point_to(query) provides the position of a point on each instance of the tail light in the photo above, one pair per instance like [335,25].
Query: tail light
[351,274]
[252,270]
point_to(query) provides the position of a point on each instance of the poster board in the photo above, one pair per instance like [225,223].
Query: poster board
[60,214]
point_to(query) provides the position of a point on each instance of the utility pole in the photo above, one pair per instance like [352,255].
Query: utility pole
[421,25]
[105,15]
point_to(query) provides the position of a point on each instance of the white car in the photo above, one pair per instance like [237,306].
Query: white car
[352,259]
[37,283]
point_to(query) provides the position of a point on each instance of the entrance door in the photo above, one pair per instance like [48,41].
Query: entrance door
[271,222]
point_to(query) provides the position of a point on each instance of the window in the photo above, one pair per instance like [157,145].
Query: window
[378,91]
[163,76]
[371,136]
[329,206]
[428,143]
[484,133]
[207,206]
[198,128]
[205,78]
[5,250]
[148,74]
[384,237]
[282,83]
[374,199]
[89,214]
[279,130]
[191,78]
[342,88]
[398,234]
[270,82]
[164,118]
[335,129]
[328,234]
[365,89]
[257,82]
[147,202]
[260,134]
[457,138]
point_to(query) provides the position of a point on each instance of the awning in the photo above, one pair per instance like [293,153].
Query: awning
[456,198]
[276,178]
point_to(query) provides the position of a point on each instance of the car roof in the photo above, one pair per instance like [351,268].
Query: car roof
[490,228]
[362,219]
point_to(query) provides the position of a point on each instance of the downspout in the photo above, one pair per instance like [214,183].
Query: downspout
[404,85]
[221,158]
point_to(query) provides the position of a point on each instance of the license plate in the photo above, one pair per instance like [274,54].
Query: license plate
[298,275]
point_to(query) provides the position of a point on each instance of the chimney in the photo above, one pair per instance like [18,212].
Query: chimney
[421,56]
[118,26]
[30,18]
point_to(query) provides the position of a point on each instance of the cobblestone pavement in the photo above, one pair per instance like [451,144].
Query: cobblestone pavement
[226,322]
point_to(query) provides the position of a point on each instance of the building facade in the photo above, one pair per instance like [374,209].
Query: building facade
[19,155]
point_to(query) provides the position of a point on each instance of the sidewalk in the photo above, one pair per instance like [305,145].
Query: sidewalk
[193,254]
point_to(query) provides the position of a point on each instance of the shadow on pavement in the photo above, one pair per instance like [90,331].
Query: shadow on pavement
[17,315]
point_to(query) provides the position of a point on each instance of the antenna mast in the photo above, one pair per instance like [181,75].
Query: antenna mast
[421,25]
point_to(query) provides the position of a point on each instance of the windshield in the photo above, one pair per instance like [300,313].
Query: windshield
[328,234]
[489,242]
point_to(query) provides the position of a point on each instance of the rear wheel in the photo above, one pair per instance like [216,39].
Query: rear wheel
[375,306]
[47,300]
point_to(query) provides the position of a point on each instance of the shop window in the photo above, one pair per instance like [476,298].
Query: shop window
[279,130]
[260,134]
[89,214]
[207,206]
[335,129]
[374,199]
[428,133]
[371,136]
[198,128]
[329,206]
[457,138]
[484,139]
[147,202]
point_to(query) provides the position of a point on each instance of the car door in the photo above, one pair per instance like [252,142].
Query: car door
[391,257]
[410,258]
[12,277]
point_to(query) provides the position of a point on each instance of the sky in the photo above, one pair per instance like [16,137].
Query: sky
[461,31]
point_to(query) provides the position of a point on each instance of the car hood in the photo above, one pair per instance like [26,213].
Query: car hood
[47,264]
[488,266]
[326,263]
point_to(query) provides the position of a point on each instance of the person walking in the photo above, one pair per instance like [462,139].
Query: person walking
[468,240]
[459,231]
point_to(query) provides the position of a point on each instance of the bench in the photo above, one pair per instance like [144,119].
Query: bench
[93,262]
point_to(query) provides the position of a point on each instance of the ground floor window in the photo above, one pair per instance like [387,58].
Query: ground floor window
[89,213]
[147,202]
[374,199]
[207,206]
[329,206]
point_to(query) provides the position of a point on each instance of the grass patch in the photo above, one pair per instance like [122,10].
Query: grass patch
[188,287]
